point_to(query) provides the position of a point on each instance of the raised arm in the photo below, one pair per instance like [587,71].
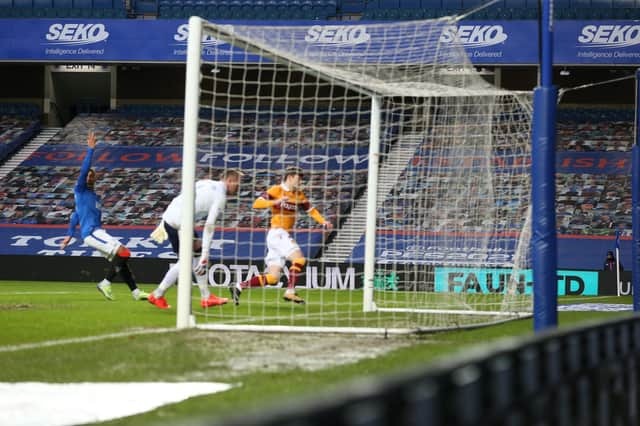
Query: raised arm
[86,164]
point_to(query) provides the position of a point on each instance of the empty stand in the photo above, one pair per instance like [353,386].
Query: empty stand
[315,9]
[109,9]
[49,187]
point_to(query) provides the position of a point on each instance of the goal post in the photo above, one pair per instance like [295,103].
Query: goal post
[190,137]
[420,164]
[372,202]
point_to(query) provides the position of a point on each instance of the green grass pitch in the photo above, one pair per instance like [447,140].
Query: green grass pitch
[67,332]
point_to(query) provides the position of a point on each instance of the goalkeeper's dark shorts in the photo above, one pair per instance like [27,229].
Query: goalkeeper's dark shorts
[174,237]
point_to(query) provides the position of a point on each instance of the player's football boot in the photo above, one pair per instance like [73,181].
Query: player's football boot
[105,288]
[293,297]
[235,294]
[213,300]
[142,295]
[160,302]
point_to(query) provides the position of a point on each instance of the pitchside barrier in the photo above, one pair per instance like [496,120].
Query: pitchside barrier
[584,376]
[318,275]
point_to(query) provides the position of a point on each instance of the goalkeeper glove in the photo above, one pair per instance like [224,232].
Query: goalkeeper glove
[159,235]
[201,267]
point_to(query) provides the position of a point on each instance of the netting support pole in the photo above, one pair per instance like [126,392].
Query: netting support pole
[372,201]
[543,170]
[635,202]
[191,113]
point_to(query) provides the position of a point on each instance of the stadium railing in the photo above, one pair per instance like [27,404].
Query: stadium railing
[582,376]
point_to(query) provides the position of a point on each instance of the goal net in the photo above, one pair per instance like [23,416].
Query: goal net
[420,164]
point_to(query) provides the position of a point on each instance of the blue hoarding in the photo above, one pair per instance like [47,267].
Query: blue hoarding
[485,42]
[235,244]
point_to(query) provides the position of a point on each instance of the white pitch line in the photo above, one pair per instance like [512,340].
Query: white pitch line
[49,343]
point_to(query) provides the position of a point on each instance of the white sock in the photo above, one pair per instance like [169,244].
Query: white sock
[104,282]
[203,285]
[168,280]
[136,293]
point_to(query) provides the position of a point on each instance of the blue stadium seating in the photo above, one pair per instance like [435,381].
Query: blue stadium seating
[103,4]
[23,4]
[389,4]
[623,4]
[601,4]
[410,4]
[82,4]
[63,4]
[317,9]
[470,4]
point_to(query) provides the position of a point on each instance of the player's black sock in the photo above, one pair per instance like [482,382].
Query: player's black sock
[111,274]
[122,268]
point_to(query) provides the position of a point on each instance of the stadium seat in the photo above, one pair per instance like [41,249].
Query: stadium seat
[82,4]
[163,11]
[103,4]
[431,4]
[627,13]
[529,13]
[351,6]
[470,4]
[42,4]
[389,4]
[372,4]
[22,4]
[63,4]
[601,4]
[410,4]
[174,11]
[61,12]
[621,4]
[580,4]
[452,4]
[146,6]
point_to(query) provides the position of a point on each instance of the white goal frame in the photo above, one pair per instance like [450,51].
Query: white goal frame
[191,114]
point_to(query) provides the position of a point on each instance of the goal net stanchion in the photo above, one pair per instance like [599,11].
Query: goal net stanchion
[421,165]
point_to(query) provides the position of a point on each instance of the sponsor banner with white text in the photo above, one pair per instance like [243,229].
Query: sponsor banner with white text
[44,240]
[485,42]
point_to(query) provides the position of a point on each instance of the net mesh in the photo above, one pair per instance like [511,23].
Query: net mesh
[453,181]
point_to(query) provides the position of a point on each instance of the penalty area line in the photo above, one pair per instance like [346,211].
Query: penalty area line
[88,339]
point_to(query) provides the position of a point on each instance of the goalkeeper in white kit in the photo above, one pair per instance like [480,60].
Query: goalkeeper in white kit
[210,199]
